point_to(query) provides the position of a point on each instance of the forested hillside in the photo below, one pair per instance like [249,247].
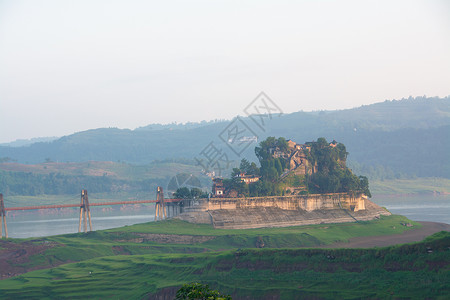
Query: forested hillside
[391,139]
[96,177]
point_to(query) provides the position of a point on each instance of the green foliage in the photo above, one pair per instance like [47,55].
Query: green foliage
[265,188]
[332,175]
[96,177]
[248,168]
[236,184]
[21,183]
[198,193]
[264,151]
[270,170]
[182,193]
[405,271]
[198,291]
[321,235]
[292,180]
[185,193]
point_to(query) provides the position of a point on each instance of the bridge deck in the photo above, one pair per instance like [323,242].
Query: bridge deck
[90,204]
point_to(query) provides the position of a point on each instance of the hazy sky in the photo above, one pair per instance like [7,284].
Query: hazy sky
[68,66]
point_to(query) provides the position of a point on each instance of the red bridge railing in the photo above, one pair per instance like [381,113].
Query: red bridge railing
[84,206]
[90,204]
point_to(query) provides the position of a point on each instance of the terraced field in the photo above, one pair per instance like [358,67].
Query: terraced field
[153,259]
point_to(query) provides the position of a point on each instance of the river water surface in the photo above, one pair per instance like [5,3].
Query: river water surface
[418,208]
[36,224]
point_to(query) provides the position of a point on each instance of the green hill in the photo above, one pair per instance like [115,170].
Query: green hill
[97,177]
[406,138]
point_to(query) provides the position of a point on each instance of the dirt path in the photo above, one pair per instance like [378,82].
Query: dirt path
[414,235]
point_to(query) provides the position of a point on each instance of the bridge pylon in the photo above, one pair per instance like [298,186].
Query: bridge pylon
[85,212]
[3,217]
[160,207]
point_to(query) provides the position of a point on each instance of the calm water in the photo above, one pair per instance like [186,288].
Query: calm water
[418,208]
[35,224]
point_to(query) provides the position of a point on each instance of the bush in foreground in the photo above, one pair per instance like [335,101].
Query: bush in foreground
[198,291]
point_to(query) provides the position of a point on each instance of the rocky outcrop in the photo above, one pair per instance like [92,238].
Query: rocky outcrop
[257,212]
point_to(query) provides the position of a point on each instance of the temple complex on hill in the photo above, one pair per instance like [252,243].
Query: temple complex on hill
[283,191]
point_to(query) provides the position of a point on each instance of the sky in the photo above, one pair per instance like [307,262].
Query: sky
[69,66]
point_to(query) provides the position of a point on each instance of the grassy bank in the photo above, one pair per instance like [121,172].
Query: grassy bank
[178,237]
[175,236]
[431,185]
[407,271]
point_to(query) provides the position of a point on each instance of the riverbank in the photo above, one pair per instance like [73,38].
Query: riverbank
[411,187]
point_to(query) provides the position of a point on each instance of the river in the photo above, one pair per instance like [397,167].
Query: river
[38,224]
[418,207]
[35,224]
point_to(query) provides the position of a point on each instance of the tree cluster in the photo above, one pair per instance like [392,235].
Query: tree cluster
[193,193]
[331,173]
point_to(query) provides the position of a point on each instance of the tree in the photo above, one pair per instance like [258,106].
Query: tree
[278,166]
[245,166]
[282,144]
[196,193]
[198,291]
[263,152]
[364,186]
[235,183]
[332,173]
[342,152]
[322,143]
[182,193]
[235,172]
[254,170]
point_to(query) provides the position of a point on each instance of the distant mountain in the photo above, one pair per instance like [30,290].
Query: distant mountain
[408,137]
[178,126]
[27,142]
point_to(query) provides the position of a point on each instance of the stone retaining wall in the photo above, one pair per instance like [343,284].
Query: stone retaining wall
[256,212]
[295,202]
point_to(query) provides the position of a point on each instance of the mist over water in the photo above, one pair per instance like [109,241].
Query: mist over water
[33,224]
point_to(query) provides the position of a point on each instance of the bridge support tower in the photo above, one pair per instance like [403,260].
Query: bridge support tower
[85,212]
[160,207]
[3,217]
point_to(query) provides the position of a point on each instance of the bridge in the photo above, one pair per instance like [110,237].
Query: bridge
[161,205]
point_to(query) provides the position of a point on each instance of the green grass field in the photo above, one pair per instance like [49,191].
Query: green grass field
[81,246]
[120,263]
[406,271]
[102,242]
